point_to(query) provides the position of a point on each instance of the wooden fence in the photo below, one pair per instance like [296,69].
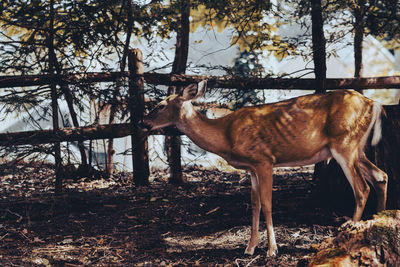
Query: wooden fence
[136,103]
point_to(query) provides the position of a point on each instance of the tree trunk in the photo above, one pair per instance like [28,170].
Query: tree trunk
[386,154]
[113,108]
[358,39]
[318,40]
[54,97]
[172,142]
[70,103]
[319,56]
[110,145]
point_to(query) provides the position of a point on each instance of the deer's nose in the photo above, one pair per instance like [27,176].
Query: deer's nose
[144,126]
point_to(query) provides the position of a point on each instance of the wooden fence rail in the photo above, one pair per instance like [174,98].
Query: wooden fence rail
[123,130]
[135,79]
[69,134]
[73,134]
[213,81]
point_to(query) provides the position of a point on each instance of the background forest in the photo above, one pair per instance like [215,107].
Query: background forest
[253,38]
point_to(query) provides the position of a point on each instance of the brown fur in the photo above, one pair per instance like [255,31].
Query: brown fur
[299,131]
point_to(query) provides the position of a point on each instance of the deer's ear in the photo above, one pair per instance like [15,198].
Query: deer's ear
[194,91]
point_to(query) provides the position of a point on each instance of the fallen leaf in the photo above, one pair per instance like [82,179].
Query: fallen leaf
[130,217]
[67,241]
[296,235]
[213,210]
[46,262]
[38,240]
[153,199]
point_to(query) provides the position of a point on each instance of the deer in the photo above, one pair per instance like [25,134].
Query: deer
[300,131]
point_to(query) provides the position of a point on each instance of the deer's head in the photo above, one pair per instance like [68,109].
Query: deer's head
[173,108]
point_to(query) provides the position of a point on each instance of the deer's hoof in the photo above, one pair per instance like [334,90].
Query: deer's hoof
[249,251]
[272,252]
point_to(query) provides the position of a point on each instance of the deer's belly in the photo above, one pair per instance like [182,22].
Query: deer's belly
[323,154]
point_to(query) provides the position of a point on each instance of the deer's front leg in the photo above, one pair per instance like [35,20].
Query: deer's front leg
[255,220]
[264,174]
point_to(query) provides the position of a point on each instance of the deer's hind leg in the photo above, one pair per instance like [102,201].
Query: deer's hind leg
[348,159]
[377,178]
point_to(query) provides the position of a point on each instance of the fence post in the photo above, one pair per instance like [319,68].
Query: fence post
[136,105]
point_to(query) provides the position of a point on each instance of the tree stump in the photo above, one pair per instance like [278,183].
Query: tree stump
[370,243]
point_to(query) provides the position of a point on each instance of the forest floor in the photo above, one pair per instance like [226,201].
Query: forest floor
[111,222]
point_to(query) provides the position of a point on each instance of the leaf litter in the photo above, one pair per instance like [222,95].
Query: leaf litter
[108,221]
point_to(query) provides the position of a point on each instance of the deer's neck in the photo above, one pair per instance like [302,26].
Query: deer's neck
[207,133]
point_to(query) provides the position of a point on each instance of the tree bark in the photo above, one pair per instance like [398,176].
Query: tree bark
[54,104]
[319,57]
[172,142]
[386,154]
[113,108]
[318,40]
[70,103]
[358,39]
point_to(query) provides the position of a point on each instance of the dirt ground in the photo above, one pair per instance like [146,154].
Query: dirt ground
[111,222]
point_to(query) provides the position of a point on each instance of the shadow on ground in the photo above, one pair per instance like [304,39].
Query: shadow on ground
[110,222]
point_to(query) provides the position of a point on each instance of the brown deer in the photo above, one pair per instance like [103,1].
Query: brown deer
[295,132]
